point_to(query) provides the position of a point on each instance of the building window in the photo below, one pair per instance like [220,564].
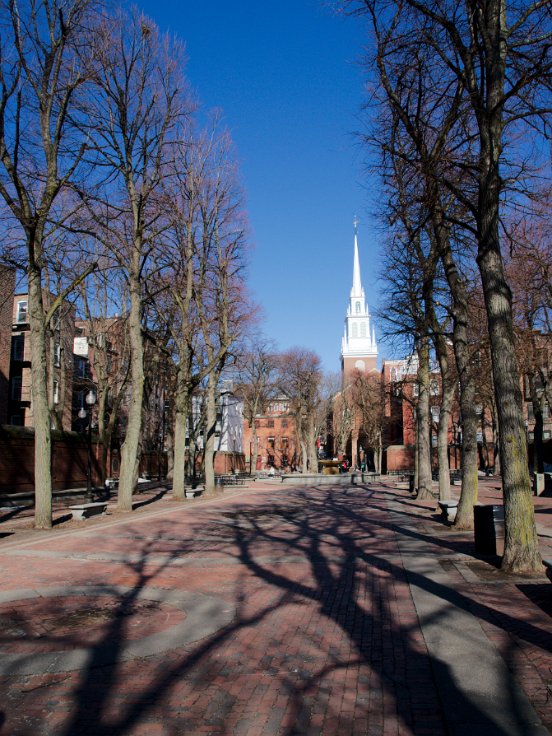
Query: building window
[355,330]
[357,307]
[18,347]
[285,443]
[434,388]
[82,368]
[363,329]
[415,389]
[270,423]
[284,424]
[57,354]
[270,443]
[16,388]
[21,312]
[56,392]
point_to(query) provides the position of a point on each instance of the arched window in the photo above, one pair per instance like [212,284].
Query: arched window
[355,330]
[363,329]
[357,307]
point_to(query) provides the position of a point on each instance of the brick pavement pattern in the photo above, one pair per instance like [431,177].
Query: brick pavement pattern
[301,619]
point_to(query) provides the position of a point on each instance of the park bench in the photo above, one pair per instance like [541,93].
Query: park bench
[448,509]
[193,492]
[82,511]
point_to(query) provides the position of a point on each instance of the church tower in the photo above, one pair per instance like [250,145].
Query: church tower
[358,347]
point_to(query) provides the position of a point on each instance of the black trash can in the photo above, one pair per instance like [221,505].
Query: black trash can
[411,484]
[488,529]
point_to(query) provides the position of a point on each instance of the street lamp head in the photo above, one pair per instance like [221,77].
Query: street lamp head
[82,413]
[90,398]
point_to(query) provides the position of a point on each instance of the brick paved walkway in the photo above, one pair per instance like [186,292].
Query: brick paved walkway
[271,610]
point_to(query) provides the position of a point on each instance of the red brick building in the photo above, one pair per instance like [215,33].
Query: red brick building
[60,364]
[275,429]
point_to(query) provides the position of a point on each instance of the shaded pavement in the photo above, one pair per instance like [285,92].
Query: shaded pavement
[271,610]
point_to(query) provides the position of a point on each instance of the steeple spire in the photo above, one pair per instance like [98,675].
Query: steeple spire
[357,289]
[358,348]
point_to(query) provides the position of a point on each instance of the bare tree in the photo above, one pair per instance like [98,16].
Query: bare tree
[529,271]
[134,121]
[343,418]
[300,378]
[255,373]
[501,62]
[369,403]
[42,71]
[104,329]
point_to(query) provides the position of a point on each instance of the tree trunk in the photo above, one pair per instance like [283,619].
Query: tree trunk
[179,466]
[447,394]
[304,457]
[378,455]
[470,486]
[255,450]
[311,449]
[521,552]
[443,446]
[130,451]
[423,424]
[211,422]
[169,442]
[41,412]
[468,494]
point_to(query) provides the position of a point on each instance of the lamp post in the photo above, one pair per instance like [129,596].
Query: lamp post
[90,400]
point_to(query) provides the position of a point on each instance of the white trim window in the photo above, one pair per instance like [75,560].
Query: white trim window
[22,311]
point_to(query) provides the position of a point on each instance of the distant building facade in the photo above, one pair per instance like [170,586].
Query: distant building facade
[277,441]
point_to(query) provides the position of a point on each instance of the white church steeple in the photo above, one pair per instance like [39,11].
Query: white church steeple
[358,348]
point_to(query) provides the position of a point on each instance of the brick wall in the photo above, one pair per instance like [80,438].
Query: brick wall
[69,460]
[399,457]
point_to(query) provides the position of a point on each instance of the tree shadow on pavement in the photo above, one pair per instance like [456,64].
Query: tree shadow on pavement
[324,639]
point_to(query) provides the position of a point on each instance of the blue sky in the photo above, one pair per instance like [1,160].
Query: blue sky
[286,76]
